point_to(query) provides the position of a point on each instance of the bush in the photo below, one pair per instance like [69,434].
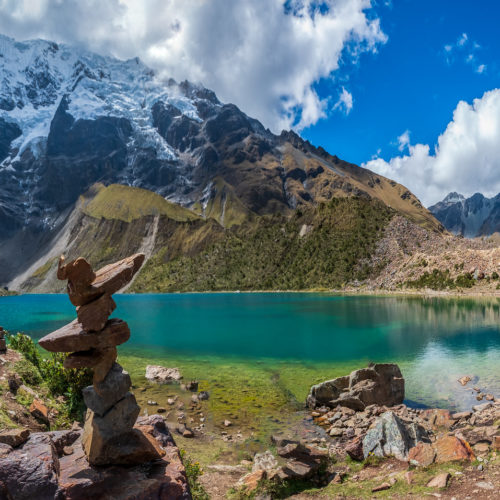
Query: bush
[60,382]
[494,275]
[28,372]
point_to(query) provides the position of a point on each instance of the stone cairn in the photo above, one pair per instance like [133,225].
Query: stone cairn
[109,436]
[3,344]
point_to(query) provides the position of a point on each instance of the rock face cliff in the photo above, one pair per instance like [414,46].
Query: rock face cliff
[469,217]
[71,118]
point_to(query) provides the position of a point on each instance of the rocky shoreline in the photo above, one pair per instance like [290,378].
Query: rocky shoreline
[346,446]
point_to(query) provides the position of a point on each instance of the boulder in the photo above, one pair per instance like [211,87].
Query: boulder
[60,439]
[252,480]
[30,472]
[14,437]
[108,392]
[390,436]
[423,454]
[303,460]
[162,375]
[164,478]
[380,384]
[452,448]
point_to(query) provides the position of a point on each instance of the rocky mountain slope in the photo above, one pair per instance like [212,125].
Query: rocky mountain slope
[70,119]
[469,217]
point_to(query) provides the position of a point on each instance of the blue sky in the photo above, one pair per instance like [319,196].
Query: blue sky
[377,82]
[412,83]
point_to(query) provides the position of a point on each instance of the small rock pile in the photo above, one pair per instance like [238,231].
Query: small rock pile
[300,461]
[109,436]
[418,436]
[3,344]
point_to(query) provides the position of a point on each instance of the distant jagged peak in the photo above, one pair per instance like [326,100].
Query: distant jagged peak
[454,197]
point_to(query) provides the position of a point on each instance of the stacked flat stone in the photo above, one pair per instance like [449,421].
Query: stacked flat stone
[108,435]
[3,344]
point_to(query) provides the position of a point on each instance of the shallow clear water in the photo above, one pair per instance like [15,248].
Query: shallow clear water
[302,337]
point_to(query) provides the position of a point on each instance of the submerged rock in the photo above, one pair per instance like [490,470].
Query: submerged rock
[163,375]
[381,384]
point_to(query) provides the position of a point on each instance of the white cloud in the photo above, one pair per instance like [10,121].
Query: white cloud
[481,68]
[464,48]
[466,158]
[404,140]
[263,55]
[462,40]
[345,102]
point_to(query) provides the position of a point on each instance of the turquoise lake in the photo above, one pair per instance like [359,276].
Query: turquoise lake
[434,340]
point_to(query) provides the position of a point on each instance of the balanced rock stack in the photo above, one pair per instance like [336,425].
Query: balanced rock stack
[108,435]
[3,344]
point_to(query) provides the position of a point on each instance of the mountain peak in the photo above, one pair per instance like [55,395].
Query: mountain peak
[454,197]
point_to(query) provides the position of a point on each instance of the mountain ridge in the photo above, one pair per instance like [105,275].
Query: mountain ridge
[71,119]
[470,217]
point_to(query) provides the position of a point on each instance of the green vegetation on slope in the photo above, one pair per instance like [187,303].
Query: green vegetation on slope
[127,203]
[33,369]
[316,248]
[441,280]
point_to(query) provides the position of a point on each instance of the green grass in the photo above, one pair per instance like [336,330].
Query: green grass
[269,254]
[127,203]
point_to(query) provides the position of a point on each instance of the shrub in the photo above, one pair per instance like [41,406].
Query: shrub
[60,382]
[494,275]
[28,372]
[193,473]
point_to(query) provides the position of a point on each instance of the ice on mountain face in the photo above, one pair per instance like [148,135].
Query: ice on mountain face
[454,198]
[37,74]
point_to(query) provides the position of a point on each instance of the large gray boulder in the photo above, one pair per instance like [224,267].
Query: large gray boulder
[381,384]
[391,437]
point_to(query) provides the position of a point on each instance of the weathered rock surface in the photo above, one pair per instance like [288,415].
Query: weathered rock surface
[162,375]
[439,481]
[392,437]
[14,437]
[451,448]
[40,470]
[73,337]
[108,392]
[423,454]
[85,287]
[30,472]
[39,411]
[380,384]
[93,316]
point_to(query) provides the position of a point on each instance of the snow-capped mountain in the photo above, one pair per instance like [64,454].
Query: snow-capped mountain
[70,118]
[470,217]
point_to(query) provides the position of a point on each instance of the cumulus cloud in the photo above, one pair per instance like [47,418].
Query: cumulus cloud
[466,158]
[345,102]
[263,55]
